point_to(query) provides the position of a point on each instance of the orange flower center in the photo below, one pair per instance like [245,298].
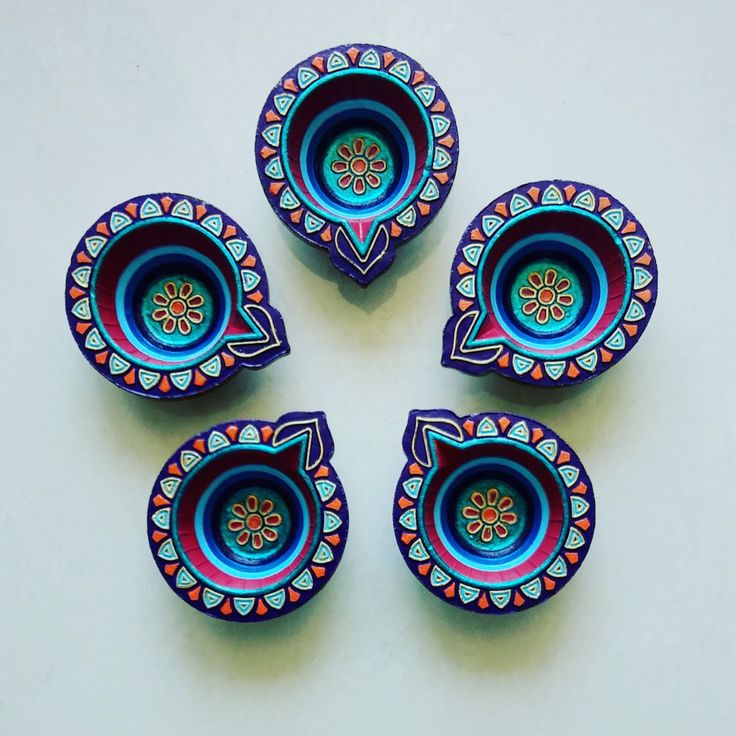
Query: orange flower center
[177,307]
[546,296]
[359,165]
[254,522]
[489,515]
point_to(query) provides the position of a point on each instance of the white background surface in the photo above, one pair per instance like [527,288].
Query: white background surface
[103,103]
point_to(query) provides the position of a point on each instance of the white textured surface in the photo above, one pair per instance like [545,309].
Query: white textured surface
[100,104]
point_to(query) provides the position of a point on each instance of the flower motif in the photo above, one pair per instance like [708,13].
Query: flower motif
[359,166]
[546,296]
[255,524]
[489,513]
[177,309]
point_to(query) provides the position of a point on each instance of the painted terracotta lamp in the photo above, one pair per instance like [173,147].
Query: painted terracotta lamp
[167,297]
[248,520]
[356,149]
[552,283]
[493,513]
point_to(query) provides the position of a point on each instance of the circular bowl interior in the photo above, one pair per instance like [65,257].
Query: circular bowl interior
[357,145]
[555,281]
[164,293]
[242,524]
[496,517]
[493,513]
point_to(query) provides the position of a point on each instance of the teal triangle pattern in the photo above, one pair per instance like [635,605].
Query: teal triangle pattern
[519,431]
[548,448]
[288,201]
[521,364]
[276,599]
[418,552]
[401,70]
[412,487]
[635,312]
[250,279]
[162,518]
[467,593]
[331,522]
[181,380]
[167,552]
[272,134]
[441,159]
[370,60]
[323,555]
[94,244]
[491,223]
[249,435]
[243,605]
[617,341]
[642,277]
[150,208]
[148,379]
[588,360]
[558,569]
[312,223]
[585,200]
[439,577]
[431,191]
[426,93]
[569,474]
[466,286]
[211,598]
[94,341]
[519,203]
[472,254]
[169,486]
[325,488]
[552,195]
[306,76]
[283,102]
[574,539]
[274,170]
[213,223]
[81,309]
[237,248]
[118,221]
[184,579]
[304,581]
[212,367]
[408,217]
[634,244]
[614,217]
[188,459]
[336,61]
[579,506]
[532,589]
[500,598]
[81,276]
[216,441]
[409,520]
[487,428]
[118,365]
[554,368]
[184,209]
[440,125]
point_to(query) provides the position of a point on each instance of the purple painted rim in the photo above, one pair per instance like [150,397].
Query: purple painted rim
[535,367]
[438,426]
[310,431]
[399,228]
[171,381]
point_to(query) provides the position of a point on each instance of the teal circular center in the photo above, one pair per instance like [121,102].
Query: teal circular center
[547,296]
[491,516]
[177,310]
[254,524]
[358,167]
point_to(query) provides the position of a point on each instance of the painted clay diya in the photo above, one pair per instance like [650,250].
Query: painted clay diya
[552,283]
[247,521]
[493,513]
[166,297]
[356,148]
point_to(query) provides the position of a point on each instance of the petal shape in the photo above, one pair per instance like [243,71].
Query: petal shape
[251,503]
[243,537]
[487,534]
[184,327]
[509,517]
[535,279]
[478,499]
[344,151]
[239,510]
[557,312]
[492,496]
[550,276]
[470,512]
[358,145]
[526,292]
[372,151]
[266,506]
[373,180]
[542,316]
[563,284]
[169,325]
[379,165]
[359,185]
[195,316]
[257,540]
[160,299]
[185,290]
[505,503]
[170,289]
[235,525]
[270,535]
[528,308]
[159,315]
[195,301]
[345,181]
[339,167]
[273,520]
[501,530]
[567,300]
[474,527]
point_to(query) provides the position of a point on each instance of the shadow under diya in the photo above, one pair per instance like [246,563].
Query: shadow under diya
[255,523]
[174,301]
[357,149]
[552,283]
[495,514]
